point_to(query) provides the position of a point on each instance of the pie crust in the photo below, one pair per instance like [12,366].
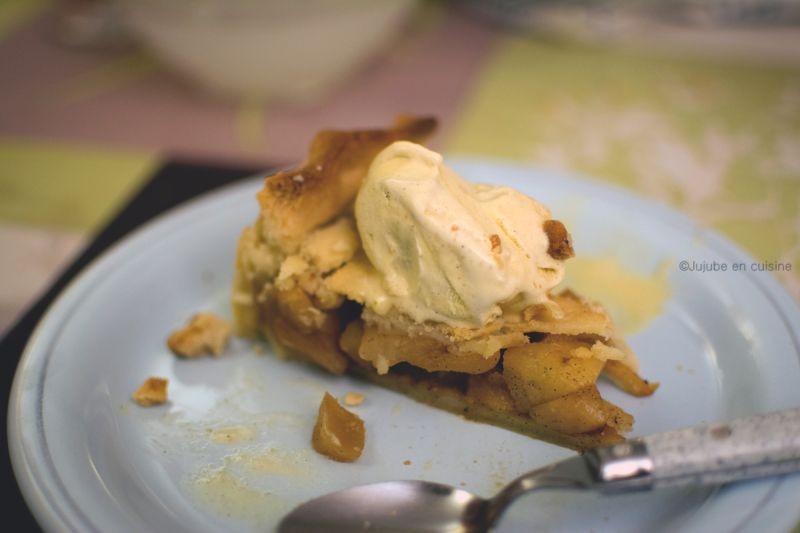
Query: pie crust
[301,279]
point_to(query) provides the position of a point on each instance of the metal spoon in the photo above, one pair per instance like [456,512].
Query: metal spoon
[755,446]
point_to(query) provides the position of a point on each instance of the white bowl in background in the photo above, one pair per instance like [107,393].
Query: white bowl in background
[294,52]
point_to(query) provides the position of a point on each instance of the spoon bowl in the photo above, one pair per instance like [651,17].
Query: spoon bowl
[746,448]
[390,506]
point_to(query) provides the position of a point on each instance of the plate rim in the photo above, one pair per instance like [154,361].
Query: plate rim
[49,511]
[45,510]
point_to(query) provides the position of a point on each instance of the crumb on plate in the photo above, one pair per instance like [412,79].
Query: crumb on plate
[353,399]
[152,392]
[205,332]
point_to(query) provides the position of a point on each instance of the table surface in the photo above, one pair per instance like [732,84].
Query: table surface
[708,129]
[714,134]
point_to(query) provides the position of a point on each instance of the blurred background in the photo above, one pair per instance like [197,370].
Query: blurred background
[695,103]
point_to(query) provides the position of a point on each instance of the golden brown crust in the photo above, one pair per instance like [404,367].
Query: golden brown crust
[205,333]
[295,201]
[152,392]
[578,316]
[566,314]
[385,349]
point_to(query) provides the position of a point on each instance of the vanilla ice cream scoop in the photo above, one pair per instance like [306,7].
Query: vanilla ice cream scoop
[448,250]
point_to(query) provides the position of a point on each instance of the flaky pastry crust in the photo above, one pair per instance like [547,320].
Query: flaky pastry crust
[302,281]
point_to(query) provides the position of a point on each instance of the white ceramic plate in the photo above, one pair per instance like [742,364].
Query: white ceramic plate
[88,459]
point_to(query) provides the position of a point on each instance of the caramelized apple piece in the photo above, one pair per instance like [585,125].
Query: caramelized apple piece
[338,433]
[491,390]
[295,304]
[626,379]
[542,371]
[320,347]
[385,349]
[579,412]
[617,418]
[351,340]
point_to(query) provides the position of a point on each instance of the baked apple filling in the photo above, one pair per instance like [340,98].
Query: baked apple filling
[375,258]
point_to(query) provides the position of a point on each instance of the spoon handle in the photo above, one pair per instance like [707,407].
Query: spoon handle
[750,447]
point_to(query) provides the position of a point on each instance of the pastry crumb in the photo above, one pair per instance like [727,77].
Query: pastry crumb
[152,392]
[353,399]
[205,333]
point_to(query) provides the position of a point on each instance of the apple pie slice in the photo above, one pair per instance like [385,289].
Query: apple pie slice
[375,258]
